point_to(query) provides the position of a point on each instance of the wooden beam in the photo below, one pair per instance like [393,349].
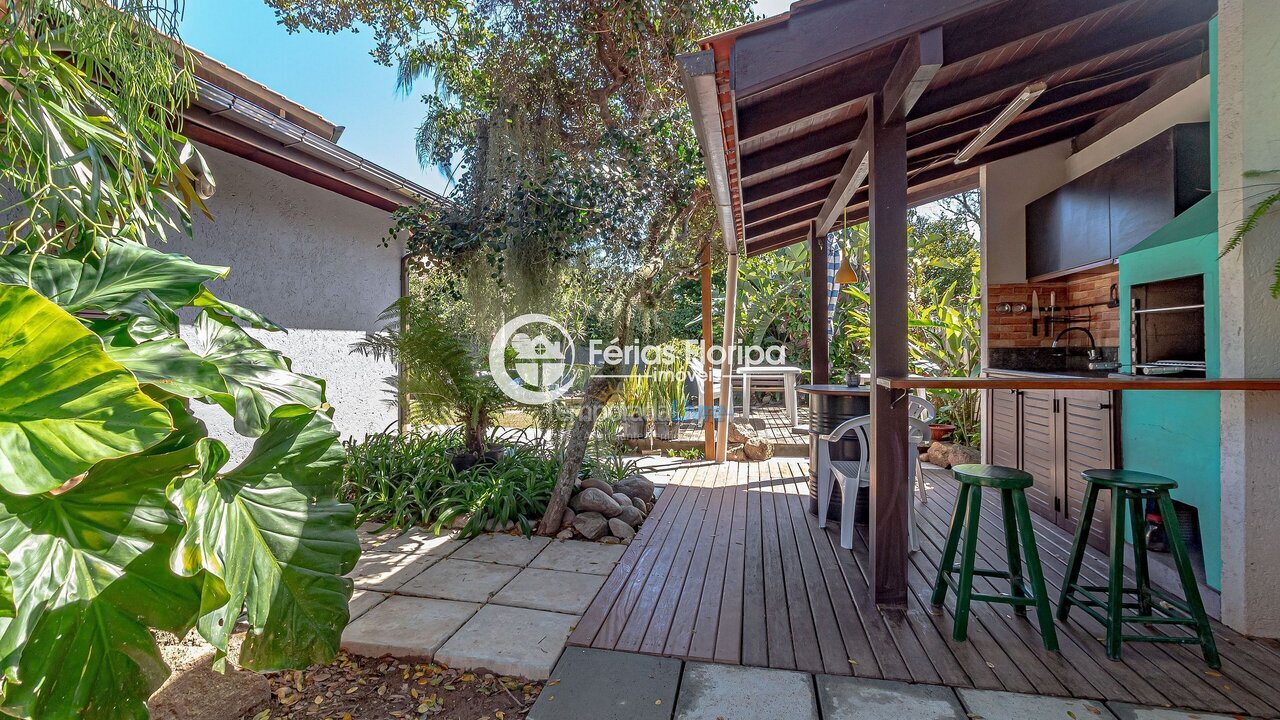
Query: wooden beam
[805,199]
[1173,80]
[708,390]
[916,66]
[964,38]
[890,490]
[797,218]
[818,34]
[839,135]
[819,344]
[756,192]
[919,62]
[856,167]
[1161,20]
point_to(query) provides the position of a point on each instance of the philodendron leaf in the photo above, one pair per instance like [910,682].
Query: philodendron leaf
[169,364]
[64,404]
[6,588]
[206,299]
[258,379]
[274,542]
[128,278]
[90,576]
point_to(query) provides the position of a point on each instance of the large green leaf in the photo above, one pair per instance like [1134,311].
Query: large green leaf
[90,576]
[170,365]
[206,299]
[274,542]
[126,278]
[258,379]
[64,404]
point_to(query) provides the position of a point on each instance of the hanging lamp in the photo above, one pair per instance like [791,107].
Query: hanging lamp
[845,274]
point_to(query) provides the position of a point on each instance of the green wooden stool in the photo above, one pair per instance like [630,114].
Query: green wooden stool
[1132,488]
[965,520]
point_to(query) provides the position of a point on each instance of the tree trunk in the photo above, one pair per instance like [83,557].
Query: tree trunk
[599,389]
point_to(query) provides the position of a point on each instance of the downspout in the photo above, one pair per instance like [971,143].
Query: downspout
[698,73]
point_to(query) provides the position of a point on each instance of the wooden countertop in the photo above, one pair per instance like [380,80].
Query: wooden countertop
[835,389]
[1059,382]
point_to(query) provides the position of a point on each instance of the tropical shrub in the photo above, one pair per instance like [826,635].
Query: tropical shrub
[442,377]
[117,515]
[408,479]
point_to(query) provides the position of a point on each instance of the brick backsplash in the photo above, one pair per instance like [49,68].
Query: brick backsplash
[1014,330]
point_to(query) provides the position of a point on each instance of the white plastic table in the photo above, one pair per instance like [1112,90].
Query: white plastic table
[788,373]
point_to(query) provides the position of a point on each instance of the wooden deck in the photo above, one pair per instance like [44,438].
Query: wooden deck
[730,568]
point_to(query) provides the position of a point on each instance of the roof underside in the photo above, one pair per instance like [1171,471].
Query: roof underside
[800,87]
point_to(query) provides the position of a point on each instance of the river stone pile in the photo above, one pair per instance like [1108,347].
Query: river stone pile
[745,444]
[607,513]
[945,454]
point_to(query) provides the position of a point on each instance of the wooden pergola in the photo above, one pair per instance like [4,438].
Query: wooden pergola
[847,111]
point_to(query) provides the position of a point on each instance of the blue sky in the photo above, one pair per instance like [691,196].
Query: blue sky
[331,74]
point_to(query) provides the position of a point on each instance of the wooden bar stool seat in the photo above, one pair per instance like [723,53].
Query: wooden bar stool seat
[1155,607]
[965,521]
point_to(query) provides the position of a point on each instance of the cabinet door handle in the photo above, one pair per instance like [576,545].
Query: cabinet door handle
[1101,406]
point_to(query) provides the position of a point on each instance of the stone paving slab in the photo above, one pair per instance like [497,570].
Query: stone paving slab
[362,601]
[453,579]
[406,627]
[1125,711]
[538,589]
[850,698]
[994,705]
[503,549]
[509,641]
[387,572]
[608,685]
[579,556]
[731,692]
[412,540]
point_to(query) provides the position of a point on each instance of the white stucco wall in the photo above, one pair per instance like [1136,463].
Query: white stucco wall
[1249,340]
[1007,187]
[313,261]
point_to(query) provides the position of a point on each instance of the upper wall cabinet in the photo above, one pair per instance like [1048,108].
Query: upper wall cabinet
[1102,214]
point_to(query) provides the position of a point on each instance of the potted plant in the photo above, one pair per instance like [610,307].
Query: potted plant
[666,386]
[634,395]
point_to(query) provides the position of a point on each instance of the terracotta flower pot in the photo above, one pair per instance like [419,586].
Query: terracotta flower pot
[940,431]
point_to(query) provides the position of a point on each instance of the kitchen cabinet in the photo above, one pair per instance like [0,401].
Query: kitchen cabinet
[1055,435]
[1070,227]
[1104,213]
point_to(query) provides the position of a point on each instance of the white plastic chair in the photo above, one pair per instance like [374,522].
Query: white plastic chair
[855,474]
[924,411]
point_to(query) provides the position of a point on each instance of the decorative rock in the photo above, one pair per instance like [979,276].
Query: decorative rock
[598,484]
[735,454]
[595,500]
[567,519]
[592,525]
[757,449]
[740,432]
[631,516]
[620,529]
[623,499]
[962,455]
[946,455]
[639,504]
[636,486]
[610,540]
[566,534]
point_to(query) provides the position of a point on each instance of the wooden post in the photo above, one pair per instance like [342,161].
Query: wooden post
[708,393]
[819,343]
[890,492]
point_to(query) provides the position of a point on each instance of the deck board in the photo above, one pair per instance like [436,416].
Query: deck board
[731,568]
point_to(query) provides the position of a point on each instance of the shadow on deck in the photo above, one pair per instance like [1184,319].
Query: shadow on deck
[730,568]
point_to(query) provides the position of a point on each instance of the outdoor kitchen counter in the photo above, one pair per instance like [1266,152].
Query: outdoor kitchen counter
[1042,381]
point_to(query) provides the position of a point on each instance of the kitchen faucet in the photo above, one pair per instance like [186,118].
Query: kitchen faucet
[1093,345]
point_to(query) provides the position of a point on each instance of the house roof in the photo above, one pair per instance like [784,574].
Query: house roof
[792,93]
[238,115]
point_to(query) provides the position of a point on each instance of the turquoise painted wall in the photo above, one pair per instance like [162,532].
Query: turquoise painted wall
[1175,433]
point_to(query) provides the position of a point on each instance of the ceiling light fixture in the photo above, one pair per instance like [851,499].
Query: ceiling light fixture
[1006,116]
